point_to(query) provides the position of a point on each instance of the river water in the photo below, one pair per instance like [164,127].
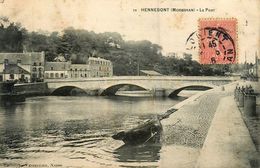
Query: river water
[76,132]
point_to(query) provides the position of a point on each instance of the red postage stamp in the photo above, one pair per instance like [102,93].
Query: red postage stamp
[218,41]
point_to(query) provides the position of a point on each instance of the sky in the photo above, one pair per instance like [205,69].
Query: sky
[168,29]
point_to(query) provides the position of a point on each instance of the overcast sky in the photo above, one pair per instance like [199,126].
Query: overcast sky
[168,29]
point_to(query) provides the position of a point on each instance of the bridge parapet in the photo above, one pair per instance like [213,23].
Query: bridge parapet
[186,78]
[158,85]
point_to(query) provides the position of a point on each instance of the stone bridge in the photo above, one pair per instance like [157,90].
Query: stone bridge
[155,85]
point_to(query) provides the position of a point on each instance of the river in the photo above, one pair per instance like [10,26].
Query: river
[55,131]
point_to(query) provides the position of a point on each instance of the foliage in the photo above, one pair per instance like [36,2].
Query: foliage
[78,44]
[12,36]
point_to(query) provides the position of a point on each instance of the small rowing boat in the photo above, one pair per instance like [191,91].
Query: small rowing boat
[147,132]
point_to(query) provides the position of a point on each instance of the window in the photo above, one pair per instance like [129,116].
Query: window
[51,75]
[61,75]
[40,74]
[11,76]
[52,68]
[19,61]
[47,75]
[34,69]
[56,75]
[40,64]
[6,61]
[34,76]
[34,64]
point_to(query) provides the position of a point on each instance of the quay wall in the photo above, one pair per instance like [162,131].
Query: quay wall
[32,89]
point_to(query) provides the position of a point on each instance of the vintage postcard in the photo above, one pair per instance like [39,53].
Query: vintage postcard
[129,83]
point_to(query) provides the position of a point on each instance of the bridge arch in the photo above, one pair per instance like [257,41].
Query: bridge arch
[68,91]
[195,87]
[111,90]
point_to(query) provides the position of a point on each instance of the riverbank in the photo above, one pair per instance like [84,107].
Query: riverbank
[32,89]
[194,132]
[228,143]
[26,89]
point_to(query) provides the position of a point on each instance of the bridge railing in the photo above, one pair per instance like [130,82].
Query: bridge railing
[192,78]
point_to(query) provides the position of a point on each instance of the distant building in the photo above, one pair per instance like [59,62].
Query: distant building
[178,55]
[255,69]
[56,70]
[18,65]
[15,72]
[94,67]
[79,71]
[60,58]
[100,67]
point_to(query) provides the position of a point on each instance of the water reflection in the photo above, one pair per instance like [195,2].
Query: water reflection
[140,153]
[12,136]
[76,128]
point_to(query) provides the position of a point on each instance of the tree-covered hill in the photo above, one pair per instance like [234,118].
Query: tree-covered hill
[78,44]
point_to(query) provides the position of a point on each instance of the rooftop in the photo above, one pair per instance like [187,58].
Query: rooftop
[98,59]
[26,58]
[56,66]
[14,69]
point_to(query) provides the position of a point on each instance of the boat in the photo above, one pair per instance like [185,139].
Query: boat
[148,132]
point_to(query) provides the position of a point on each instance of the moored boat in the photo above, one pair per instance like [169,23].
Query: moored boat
[147,132]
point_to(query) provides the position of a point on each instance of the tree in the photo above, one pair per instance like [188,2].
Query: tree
[12,36]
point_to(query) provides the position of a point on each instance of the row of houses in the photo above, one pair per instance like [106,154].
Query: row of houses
[94,67]
[32,67]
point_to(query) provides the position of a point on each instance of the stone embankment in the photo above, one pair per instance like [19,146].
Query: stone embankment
[214,127]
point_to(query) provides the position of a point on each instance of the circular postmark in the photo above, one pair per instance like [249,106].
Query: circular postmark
[192,41]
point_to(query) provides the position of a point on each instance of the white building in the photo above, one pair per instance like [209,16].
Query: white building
[100,67]
[15,72]
[56,70]
[32,63]
[94,67]
[79,71]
